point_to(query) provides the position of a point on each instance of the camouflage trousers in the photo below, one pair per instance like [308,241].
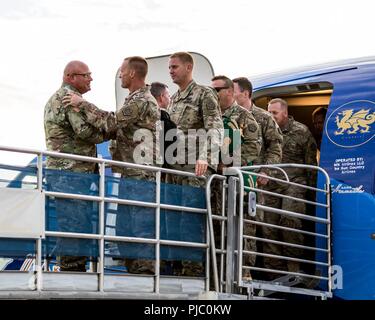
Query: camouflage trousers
[72,215]
[137,221]
[249,229]
[72,263]
[187,267]
[283,235]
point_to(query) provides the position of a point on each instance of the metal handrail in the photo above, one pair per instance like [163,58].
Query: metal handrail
[123,201]
[288,244]
[288,273]
[267,166]
[285,228]
[101,199]
[285,196]
[236,170]
[98,160]
[210,243]
[293,214]
[211,228]
[284,258]
[239,172]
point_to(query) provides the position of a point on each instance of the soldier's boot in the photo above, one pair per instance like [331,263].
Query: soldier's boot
[140,266]
[166,267]
[192,269]
[177,267]
[72,263]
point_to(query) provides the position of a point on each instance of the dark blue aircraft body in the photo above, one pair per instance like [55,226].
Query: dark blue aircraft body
[347,154]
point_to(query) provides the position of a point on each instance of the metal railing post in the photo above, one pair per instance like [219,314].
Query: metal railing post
[329,256]
[210,237]
[232,199]
[222,235]
[38,262]
[101,224]
[207,285]
[157,232]
[240,225]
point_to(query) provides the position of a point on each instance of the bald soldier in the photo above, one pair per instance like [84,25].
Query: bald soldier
[134,141]
[68,131]
[299,146]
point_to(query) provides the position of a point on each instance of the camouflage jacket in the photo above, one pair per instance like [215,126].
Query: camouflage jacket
[196,111]
[100,119]
[67,131]
[249,134]
[272,138]
[299,146]
[138,123]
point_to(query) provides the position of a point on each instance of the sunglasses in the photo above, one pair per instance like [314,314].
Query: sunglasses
[220,88]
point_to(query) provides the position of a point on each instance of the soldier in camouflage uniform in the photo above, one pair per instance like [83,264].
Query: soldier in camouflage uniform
[193,107]
[138,123]
[67,131]
[100,119]
[299,146]
[270,153]
[247,126]
[134,130]
[243,147]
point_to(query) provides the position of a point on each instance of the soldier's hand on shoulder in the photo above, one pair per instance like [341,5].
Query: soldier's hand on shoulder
[73,100]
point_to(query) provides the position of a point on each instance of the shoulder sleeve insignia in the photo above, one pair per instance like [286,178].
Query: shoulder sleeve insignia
[127,111]
[210,104]
[252,127]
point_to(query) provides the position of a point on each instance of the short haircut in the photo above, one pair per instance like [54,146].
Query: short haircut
[157,89]
[319,111]
[283,103]
[139,65]
[228,82]
[185,57]
[244,84]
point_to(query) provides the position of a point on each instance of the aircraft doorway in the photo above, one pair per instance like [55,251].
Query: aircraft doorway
[302,100]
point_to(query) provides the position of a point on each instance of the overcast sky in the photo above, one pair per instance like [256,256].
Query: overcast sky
[38,38]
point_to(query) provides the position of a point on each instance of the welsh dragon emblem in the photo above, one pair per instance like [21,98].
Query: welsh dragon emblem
[353,122]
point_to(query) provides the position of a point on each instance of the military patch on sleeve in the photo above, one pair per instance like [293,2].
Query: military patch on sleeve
[252,127]
[127,111]
[210,104]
